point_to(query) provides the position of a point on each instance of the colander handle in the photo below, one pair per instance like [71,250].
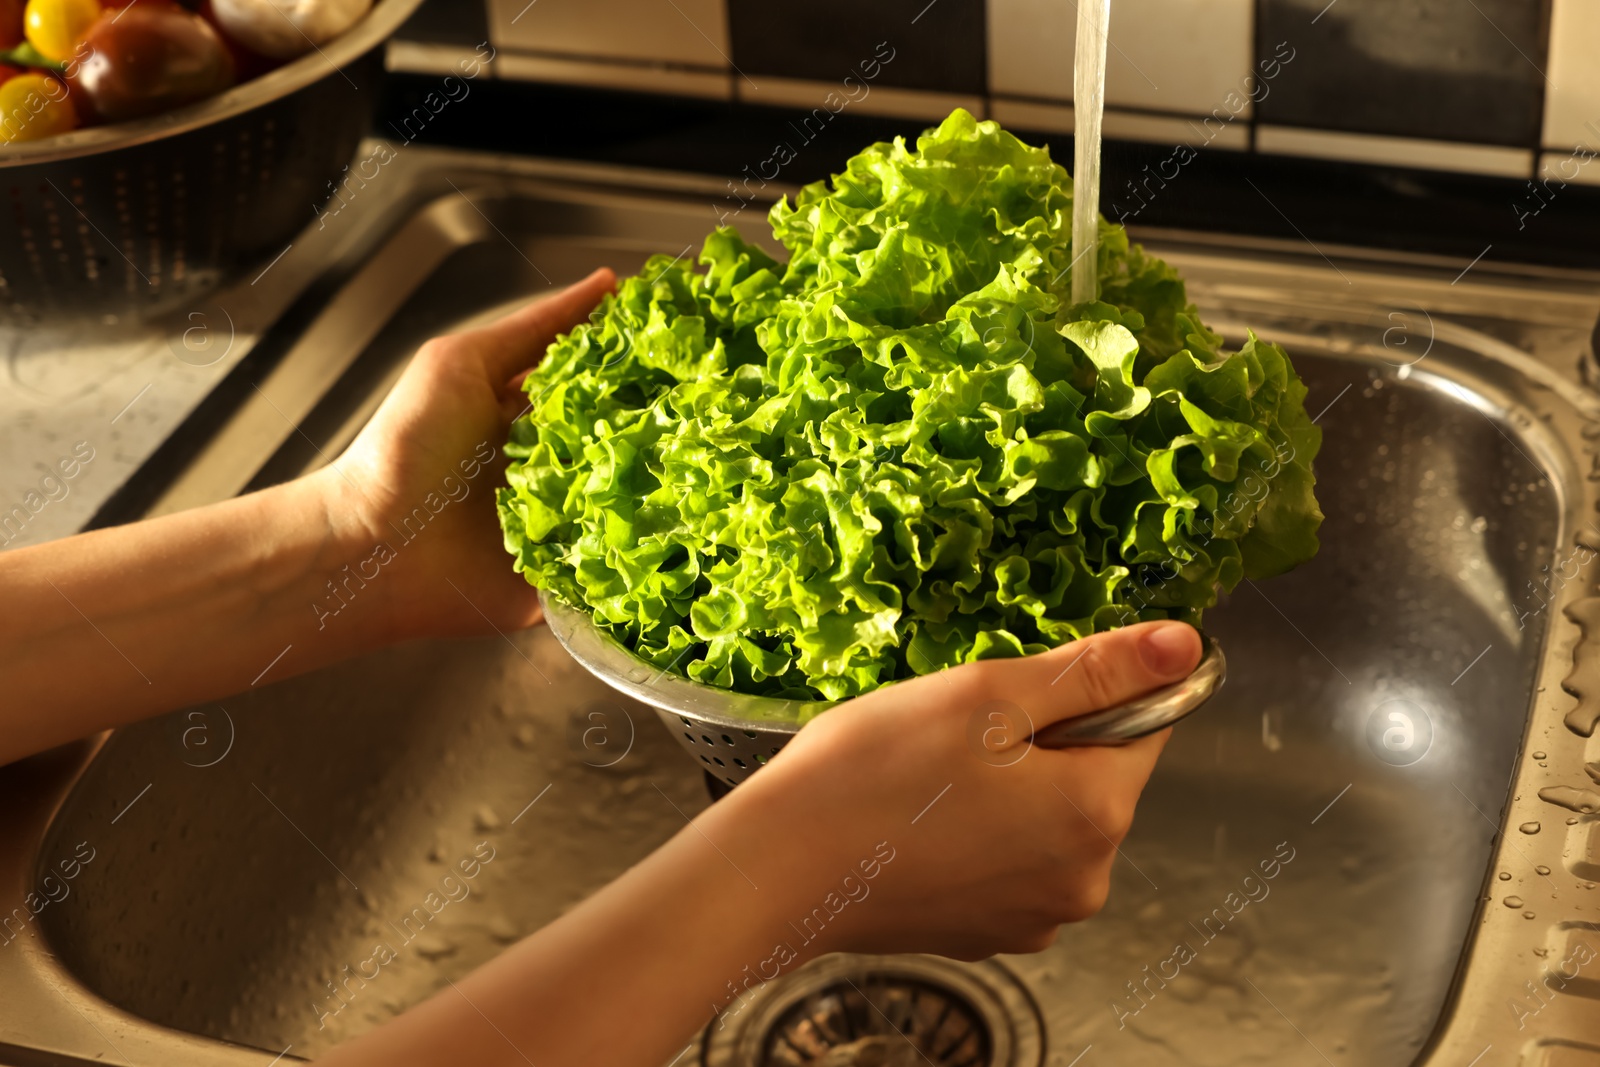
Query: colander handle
[1142,715]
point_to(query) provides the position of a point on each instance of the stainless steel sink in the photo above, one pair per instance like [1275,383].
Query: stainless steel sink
[1310,880]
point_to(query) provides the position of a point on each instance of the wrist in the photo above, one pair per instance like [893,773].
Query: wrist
[349,590]
[805,861]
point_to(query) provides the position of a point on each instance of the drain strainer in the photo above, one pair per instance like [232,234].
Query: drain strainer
[881,1011]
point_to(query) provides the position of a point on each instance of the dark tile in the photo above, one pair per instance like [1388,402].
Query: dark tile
[1452,70]
[938,45]
[448,22]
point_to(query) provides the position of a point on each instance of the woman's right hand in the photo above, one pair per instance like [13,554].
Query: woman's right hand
[892,824]
[994,842]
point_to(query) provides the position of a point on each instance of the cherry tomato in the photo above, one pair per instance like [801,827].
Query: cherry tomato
[148,58]
[55,26]
[11,23]
[32,106]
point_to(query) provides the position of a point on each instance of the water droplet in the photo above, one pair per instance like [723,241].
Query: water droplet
[1527,915]
[1582,801]
[485,818]
[1542,869]
[1505,876]
[1538,755]
[1572,821]
[1529,828]
[1513,902]
[430,947]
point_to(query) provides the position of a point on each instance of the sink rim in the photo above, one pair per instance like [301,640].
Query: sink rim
[1488,374]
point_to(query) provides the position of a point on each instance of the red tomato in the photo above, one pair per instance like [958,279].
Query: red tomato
[149,58]
[11,23]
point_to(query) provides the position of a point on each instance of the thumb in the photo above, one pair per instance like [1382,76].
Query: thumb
[517,341]
[1106,669]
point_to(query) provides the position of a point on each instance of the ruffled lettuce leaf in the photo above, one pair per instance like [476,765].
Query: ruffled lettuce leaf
[903,448]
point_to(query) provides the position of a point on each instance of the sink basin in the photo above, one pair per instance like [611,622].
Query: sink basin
[1309,878]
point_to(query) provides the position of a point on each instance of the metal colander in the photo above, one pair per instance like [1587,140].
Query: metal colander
[138,218]
[732,734]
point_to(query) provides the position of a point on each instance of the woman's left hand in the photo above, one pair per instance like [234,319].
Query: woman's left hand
[418,484]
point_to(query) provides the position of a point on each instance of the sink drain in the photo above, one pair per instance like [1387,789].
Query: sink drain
[881,1011]
[882,1019]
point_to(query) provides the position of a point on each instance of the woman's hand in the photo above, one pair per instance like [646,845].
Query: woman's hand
[995,842]
[890,824]
[396,539]
[420,478]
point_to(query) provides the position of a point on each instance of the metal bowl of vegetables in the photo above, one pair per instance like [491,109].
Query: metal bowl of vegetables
[731,734]
[136,218]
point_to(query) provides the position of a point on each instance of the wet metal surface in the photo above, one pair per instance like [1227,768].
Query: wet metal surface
[1306,871]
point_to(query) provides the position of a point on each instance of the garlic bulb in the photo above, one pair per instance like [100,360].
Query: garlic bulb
[284,29]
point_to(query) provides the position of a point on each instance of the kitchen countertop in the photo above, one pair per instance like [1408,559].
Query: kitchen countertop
[114,391]
[117,391]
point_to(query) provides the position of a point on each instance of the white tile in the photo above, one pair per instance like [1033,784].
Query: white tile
[1395,151]
[1119,125]
[1180,56]
[1581,166]
[1572,94]
[1183,56]
[423,57]
[1031,115]
[1030,47]
[609,74]
[862,99]
[1168,129]
[691,32]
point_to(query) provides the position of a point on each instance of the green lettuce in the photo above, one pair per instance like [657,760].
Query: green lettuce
[903,449]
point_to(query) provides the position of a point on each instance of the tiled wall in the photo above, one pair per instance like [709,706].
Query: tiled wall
[1497,87]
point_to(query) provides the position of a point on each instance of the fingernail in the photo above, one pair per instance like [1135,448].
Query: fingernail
[1168,650]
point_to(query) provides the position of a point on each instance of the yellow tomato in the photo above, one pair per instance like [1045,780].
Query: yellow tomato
[55,26]
[34,106]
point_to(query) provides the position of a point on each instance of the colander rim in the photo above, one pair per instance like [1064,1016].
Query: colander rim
[704,705]
[603,656]
[375,27]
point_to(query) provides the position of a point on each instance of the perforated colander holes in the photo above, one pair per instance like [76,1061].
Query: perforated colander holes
[50,224]
[23,217]
[125,239]
[52,227]
[152,228]
[244,164]
[86,237]
[180,223]
[221,218]
[269,141]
